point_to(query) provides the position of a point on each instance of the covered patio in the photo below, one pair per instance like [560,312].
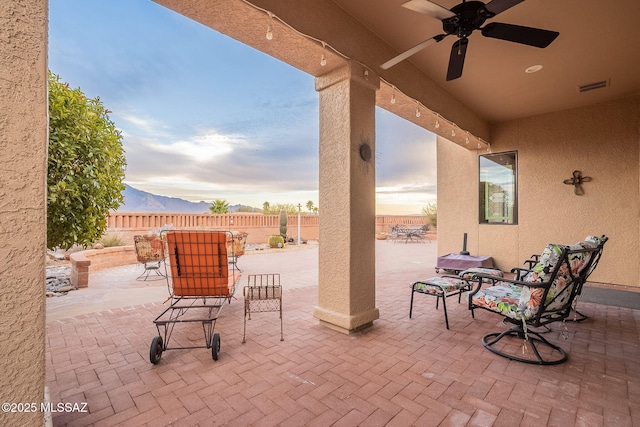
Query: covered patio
[399,372]
[554,127]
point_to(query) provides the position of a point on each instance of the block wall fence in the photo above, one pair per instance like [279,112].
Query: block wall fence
[259,226]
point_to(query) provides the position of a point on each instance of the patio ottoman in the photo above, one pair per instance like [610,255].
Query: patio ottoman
[440,287]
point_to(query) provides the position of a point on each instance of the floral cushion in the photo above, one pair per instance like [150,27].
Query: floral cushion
[437,285]
[149,248]
[468,273]
[520,302]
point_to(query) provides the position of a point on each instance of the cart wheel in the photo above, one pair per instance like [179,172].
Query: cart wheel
[156,350]
[215,346]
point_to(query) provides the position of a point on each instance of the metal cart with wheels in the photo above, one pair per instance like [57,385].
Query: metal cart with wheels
[200,282]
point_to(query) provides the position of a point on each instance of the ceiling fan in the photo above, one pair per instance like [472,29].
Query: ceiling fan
[464,19]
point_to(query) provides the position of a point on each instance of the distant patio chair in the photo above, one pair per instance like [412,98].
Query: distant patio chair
[545,294]
[235,247]
[150,253]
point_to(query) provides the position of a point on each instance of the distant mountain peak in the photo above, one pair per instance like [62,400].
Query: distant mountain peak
[140,201]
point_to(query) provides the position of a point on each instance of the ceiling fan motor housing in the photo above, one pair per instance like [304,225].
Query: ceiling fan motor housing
[469,17]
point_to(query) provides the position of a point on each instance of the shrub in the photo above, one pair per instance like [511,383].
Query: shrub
[85,167]
[431,212]
[276,241]
[112,239]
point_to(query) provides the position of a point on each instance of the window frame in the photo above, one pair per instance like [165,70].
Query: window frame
[511,217]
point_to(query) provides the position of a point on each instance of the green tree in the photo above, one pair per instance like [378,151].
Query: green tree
[266,207]
[219,206]
[310,205]
[431,212]
[86,167]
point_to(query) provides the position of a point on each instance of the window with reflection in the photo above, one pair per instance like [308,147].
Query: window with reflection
[498,188]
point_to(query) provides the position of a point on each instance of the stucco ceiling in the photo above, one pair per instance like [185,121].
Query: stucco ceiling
[598,41]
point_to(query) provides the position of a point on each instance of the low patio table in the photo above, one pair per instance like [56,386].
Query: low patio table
[457,262]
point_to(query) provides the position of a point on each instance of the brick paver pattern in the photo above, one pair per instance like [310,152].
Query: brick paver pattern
[399,372]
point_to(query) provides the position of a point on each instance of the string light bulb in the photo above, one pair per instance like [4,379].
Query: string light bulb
[453,132]
[418,110]
[393,98]
[323,59]
[269,35]
[437,124]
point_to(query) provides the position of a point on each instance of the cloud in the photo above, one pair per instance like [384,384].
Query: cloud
[408,189]
[202,148]
[144,125]
[280,163]
[211,164]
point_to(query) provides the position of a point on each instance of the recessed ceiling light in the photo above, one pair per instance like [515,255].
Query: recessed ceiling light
[533,69]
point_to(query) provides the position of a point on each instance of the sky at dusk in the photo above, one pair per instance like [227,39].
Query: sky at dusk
[204,117]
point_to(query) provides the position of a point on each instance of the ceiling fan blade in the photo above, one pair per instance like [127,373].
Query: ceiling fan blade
[456,59]
[429,8]
[499,6]
[417,48]
[518,34]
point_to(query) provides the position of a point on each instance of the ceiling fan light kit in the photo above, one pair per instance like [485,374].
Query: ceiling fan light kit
[465,18]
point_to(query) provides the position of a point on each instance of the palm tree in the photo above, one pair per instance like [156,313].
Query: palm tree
[310,205]
[219,206]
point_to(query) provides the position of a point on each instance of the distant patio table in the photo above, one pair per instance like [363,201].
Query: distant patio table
[457,262]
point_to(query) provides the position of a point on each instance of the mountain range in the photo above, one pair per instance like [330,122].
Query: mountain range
[140,201]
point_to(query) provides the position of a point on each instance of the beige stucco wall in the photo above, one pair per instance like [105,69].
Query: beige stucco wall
[602,141]
[23,145]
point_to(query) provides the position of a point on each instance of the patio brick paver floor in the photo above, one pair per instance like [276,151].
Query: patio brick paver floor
[400,372]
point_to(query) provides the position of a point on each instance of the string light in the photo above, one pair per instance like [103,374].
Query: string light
[323,62]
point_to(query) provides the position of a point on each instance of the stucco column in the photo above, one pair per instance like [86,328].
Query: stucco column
[346,287]
[23,168]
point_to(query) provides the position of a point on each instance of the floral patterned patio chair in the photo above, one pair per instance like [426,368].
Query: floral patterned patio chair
[545,294]
[150,253]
